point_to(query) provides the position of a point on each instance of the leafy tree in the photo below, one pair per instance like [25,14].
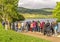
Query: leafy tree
[56,12]
[8,10]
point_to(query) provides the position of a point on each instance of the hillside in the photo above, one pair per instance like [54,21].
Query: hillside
[44,11]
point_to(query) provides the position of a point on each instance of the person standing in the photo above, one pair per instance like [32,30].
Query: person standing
[16,26]
[31,26]
[27,26]
[3,23]
[42,24]
[52,27]
[47,29]
[19,27]
[6,25]
[38,26]
[55,28]
[22,26]
[34,26]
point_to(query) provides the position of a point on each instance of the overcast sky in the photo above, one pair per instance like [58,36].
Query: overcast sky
[37,4]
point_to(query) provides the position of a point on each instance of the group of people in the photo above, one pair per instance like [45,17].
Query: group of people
[47,28]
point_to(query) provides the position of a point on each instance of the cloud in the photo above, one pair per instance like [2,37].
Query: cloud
[57,0]
[36,4]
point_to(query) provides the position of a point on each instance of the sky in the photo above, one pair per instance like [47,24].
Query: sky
[37,4]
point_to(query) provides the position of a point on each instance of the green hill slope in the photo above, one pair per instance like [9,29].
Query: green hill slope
[11,36]
[44,11]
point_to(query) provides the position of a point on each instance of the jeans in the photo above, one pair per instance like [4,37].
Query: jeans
[34,29]
[55,32]
[38,29]
[27,29]
[16,29]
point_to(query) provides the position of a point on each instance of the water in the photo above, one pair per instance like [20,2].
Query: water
[41,20]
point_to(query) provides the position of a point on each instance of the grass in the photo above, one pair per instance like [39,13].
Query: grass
[35,16]
[11,36]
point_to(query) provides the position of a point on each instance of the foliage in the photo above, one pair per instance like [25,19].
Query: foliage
[56,12]
[8,10]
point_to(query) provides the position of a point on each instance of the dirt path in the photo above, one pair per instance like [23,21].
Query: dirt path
[40,35]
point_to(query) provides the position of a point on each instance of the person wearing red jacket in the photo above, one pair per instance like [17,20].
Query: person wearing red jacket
[31,26]
[42,24]
[34,25]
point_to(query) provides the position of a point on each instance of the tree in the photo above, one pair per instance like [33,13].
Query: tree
[56,11]
[8,10]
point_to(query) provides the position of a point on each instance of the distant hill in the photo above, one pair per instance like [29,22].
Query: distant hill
[44,11]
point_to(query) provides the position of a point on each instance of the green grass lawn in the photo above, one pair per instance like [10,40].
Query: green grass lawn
[35,16]
[11,36]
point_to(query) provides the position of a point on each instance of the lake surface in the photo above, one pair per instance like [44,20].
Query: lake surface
[41,20]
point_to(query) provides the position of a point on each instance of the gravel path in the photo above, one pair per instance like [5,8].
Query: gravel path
[40,35]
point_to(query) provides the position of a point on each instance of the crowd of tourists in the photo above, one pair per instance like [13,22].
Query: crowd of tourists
[47,28]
